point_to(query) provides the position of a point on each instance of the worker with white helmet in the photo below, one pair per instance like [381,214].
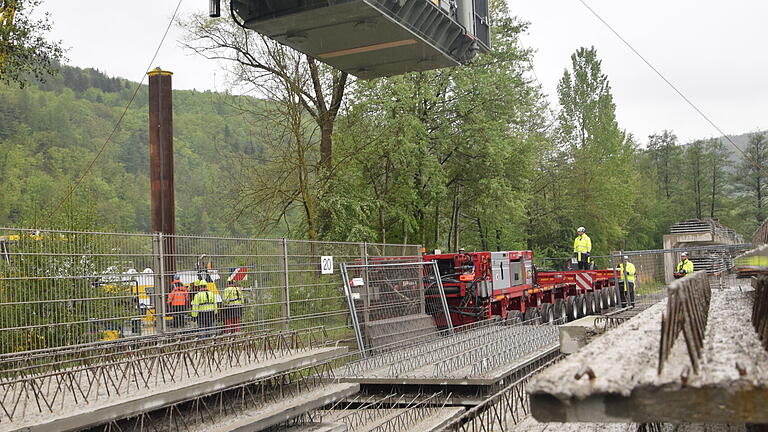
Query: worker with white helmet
[582,246]
[627,273]
[684,267]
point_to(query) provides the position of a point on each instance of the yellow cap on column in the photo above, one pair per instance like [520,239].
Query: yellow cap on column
[158,71]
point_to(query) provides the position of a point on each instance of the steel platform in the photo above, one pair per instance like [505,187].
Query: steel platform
[366,38]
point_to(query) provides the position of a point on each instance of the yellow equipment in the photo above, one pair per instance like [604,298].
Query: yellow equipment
[6,21]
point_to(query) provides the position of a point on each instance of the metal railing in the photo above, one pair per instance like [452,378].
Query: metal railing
[67,288]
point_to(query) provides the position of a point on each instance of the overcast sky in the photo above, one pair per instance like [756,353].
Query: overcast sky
[712,50]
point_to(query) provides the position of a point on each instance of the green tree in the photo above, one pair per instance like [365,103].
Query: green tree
[600,180]
[751,180]
[695,175]
[665,153]
[24,50]
[444,158]
[717,164]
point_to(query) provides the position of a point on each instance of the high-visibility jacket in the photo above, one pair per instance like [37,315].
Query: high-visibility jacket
[582,244]
[179,296]
[204,301]
[686,266]
[233,295]
[629,273]
[215,291]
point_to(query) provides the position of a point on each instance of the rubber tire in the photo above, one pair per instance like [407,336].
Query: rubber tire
[560,312]
[513,317]
[604,295]
[571,308]
[582,302]
[614,293]
[530,316]
[547,313]
[598,301]
[590,299]
[600,298]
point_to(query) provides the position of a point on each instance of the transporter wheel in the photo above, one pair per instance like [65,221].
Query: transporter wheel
[513,317]
[612,296]
[571,308]
[531,316]
[591,303]
[604,295]
[598,301]
[547,313]
[561,314]
[582,300]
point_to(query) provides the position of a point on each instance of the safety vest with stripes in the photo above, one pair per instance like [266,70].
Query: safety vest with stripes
[629,274]
[204,301]
[582,244]
[233,295]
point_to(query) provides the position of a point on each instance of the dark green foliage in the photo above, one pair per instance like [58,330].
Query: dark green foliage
[25,54]
[50,132]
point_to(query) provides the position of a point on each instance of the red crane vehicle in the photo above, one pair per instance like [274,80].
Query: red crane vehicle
[483,285]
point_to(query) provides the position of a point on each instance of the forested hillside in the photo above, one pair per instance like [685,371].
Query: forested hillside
[49,133]
[471,157]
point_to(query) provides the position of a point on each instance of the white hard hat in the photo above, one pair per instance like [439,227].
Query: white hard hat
[581,229]
[684,254]
[626,257]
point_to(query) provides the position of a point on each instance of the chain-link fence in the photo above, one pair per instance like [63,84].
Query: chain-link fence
[62,288]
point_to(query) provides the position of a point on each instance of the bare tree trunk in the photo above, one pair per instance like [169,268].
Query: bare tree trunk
[483,239]
[456,218]
[437,223]
[382,227]
[453,223]
[714,188]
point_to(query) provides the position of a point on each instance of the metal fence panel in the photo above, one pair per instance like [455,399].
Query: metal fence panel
[395,301]
[62,288]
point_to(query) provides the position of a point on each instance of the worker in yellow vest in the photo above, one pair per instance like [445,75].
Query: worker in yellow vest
[582,246]
[233,307]
[684,267]
[627,281]
[204,307]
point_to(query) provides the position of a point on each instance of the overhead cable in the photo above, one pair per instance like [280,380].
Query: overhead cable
[117,124]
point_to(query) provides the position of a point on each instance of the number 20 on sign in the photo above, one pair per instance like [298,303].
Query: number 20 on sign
[326,265]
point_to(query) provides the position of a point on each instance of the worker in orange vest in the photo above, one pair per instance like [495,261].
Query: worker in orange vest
[178,303]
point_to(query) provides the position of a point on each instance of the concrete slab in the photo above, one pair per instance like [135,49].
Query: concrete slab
[82,416]
[275,414]
[627,388]
[576,334]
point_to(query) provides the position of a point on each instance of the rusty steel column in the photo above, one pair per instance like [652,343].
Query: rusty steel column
[163,207]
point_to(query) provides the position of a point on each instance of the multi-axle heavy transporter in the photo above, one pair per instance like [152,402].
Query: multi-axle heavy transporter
[483,285]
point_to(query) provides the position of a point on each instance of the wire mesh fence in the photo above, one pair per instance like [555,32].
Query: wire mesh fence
[64,288]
